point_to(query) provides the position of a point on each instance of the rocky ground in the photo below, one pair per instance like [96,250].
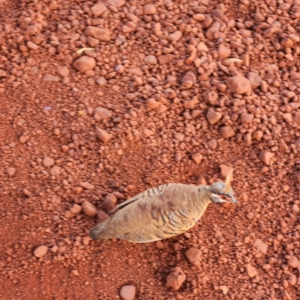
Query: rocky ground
[102,100]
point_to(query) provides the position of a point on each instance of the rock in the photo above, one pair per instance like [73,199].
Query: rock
[202,47]
[226,132]
[224,289]
[109,202]
[254,79]
[257,135]
[175,36]
[159,245]
[48,162]
[224,51]
[101,216]
[69,215]
[152,103]
[246,118]
[286,295]
[40,251]
[11,171]
[212,144]
[74,273]
[102,135]
[239,85]
[149,9]
[188,80]
[266,157]
[84,63]
[293,262]
[87,185]
[101,81]
[165,59]
[63,71]
[75,209]
[197,158]
[212,116]
[89,209]
[127,292]
[150,59]
[55,171]
[3,73]
[179,136]
[251,271]
[50,78]
[225,170]
[102,113]
[101,34]
[297,144]
[31,45]
[98,9]
[116,3]
[261,246]
[193,255]
[175,279]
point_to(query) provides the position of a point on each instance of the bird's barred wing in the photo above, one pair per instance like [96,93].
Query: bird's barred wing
[153,215]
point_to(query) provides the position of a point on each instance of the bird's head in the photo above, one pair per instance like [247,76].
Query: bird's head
[222,191]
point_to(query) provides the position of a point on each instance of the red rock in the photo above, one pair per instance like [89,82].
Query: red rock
[197,158]
[149,9]
[63,71]
[165,59]
[11,171]
[225,170]
[226,132]
[254,79]
[75,209]
[98,9]
[239,85]
[87,185]
[224,51]
[251,271]
[175,279]
[212,116]
[101,114]
[188,80]
[193,255]
[127,292]
[40,251]
[89,209]
[175,36]
[246,118]
[31,45]
[150,59]
[102,216]
[212,144]
[48,162]
[293,262]
[103,35]
[152,103]
[266,157]
[116,3]
[84,63]
[102,135]
[109,202]
[261,246]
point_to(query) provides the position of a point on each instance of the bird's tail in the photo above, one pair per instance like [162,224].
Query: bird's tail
[99,232]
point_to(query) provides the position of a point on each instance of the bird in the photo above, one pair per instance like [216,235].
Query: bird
[162,212]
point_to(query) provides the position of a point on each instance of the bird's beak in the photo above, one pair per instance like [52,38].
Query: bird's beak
[233,200]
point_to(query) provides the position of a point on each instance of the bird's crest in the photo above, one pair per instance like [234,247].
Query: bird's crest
[227,182]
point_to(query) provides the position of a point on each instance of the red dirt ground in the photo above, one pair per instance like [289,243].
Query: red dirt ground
[189,87]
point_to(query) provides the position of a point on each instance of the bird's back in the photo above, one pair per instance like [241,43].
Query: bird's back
[156,214]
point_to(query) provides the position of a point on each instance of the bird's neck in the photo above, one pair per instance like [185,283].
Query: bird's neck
[203,200]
